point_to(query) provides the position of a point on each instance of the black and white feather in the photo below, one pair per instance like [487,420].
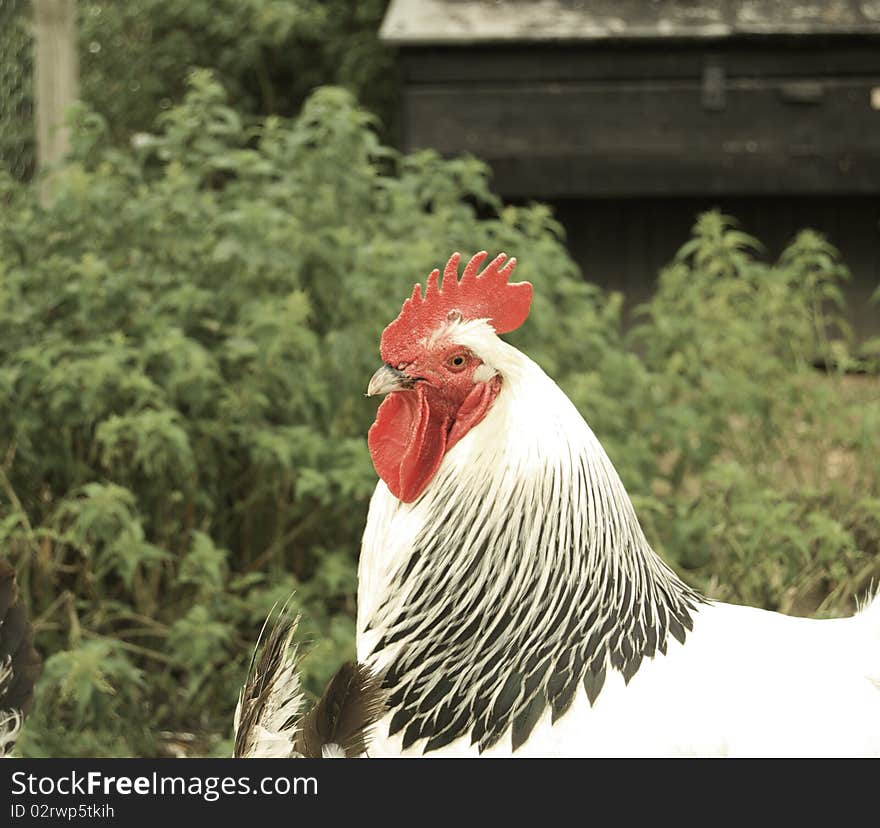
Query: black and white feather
[340,724]
[271,702]
[20,664]
[496,618]
[271,721]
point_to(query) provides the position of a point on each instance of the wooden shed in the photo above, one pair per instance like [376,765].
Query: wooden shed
[631,116]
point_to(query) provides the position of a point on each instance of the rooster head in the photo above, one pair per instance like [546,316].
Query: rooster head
[438,381]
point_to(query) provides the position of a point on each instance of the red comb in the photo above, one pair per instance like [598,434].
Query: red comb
[484,296]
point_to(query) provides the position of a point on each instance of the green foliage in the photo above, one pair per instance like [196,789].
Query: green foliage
[16,89]
[135,57]
[754,472]
[186,332]
[268,54]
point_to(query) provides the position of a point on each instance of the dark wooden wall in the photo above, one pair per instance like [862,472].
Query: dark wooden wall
[636,119]
[623,243]
[631,140]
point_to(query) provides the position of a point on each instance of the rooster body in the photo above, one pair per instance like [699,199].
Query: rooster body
[511,602]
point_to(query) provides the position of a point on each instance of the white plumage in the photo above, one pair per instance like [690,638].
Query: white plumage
[530,504]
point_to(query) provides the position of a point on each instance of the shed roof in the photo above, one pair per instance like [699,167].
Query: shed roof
[454,22]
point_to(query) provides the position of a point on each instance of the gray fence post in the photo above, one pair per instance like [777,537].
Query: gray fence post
[56,80]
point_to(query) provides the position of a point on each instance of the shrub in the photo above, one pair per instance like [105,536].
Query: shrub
[268,54]
[16,90]
[755,472]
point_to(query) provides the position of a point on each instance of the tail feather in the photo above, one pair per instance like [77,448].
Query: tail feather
[270,719]
[20,664]
[271,701]
[344,716]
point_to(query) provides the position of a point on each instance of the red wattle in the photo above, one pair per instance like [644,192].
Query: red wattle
[407,442]
[476,405]
[414,429]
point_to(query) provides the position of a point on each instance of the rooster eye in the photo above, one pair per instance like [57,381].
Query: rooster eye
[457,362]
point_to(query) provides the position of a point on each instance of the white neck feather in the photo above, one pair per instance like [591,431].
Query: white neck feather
[520,569]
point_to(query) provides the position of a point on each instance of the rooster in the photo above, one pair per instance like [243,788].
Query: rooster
[510,601]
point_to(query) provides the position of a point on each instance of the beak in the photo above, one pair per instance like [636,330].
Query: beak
[388,379]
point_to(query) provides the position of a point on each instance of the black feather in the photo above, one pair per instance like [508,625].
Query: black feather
[677,629]
[562,700]
[631,668]
[525,722]
[507,697]
[447,728]
[411,735]
[344,715]
[400,720]
[593,682]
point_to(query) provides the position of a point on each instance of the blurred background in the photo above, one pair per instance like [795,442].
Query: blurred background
[210,210]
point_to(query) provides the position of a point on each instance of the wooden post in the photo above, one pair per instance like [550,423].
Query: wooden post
[56,79]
